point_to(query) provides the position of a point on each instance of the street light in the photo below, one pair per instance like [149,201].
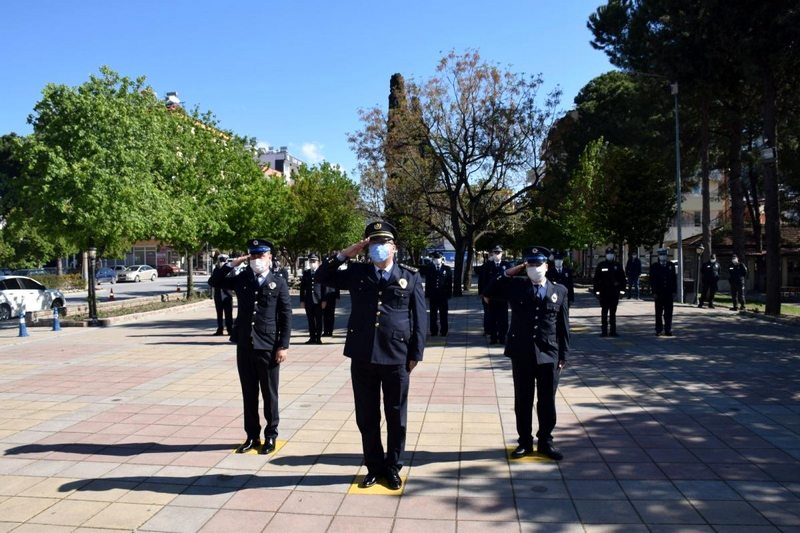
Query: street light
[92,292]
[700,249]
[679,215]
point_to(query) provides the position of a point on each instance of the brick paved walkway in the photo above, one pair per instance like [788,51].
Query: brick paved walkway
[132,428]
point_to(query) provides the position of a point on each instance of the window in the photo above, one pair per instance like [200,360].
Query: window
[31,285]
[11,284]
[698,219]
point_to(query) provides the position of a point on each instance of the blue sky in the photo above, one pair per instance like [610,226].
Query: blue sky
[291,73]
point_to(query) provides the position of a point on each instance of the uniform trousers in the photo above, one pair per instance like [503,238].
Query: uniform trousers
[486,312]
[664,305]
[369,379]
[498,319]
[708,293]
[257,368]
[438,310]
[314,316]
[633,288]
[608,314]
[224,309]
[529,378]
[737,295]
[329,316]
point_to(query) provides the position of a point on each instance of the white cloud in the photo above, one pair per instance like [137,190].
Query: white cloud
[312,153]
[261,145]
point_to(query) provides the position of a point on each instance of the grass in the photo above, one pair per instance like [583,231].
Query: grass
[787,309]
[122,311]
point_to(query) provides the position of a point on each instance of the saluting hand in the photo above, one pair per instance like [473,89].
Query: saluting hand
[513,271]
[352,250]
[239,260]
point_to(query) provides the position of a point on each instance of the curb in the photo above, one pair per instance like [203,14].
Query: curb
[114,320]
[786,321]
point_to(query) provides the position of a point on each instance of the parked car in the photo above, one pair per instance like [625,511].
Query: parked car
[137,273]
[29,272]
[168,270]
[105,274]
[16,291]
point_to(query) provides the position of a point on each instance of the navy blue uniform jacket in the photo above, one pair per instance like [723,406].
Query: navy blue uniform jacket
[539,328]
[265,312]
[387,326]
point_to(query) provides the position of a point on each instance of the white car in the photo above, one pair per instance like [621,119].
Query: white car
[18,290]
[137,273]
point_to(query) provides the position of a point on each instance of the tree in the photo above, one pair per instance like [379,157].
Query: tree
[478,135]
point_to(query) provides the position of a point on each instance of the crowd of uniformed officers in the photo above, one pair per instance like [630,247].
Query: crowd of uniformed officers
[388,327]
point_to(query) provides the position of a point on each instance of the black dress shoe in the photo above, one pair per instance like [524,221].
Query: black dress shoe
[604,334]
[249,444]
[393,480]
[521,451]
[318,340]
[269,446]
[615,334]
[550,451]
[668,334]
[369,480]
[218,333]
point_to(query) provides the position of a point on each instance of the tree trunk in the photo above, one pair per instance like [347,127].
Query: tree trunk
[458,271]
[735,185]
[755,209]
[705,171]
[771,200]
[60,266]
[189,274]
[468,266]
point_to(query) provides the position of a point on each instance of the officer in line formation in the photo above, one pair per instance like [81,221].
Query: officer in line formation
[737,275]
[438,290]
[313,299]
[538,345]
[495,310]
[709,277]
[633,270]
[329,311]
[608,285]
[385,340]
[262,333]
[223,301]
[562,275]
[664,284]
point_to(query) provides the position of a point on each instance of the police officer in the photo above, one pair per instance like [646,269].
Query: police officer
[312,296]
[385,341]
[438,290]
[329,311]
[633,270]
[495,310]
[263,329]
[709,275]
[737,275]
[538,345]
[223,301]
[664,284]
[279,270]
[608,285]
[562,275]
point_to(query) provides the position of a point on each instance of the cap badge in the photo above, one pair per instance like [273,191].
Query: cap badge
[377,225]
[403,283]
[535,250]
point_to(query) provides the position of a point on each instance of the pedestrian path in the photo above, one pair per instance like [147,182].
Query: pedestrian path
[132,428]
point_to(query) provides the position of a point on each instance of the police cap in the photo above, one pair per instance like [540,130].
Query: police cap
[380,228]
[436,255]
[536,254]
[610,250]
[558,255]
[662,251]
[313,257]
[497,248]
[258,246]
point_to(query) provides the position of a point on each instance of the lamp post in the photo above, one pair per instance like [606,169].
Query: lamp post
[679,214]
[700,249]
[92,292]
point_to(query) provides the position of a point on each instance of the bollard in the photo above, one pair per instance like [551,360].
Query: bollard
[56,322]
[111,294]
[179,289]
[23,327]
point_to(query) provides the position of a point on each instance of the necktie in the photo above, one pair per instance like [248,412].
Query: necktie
[539,295]
[380,276]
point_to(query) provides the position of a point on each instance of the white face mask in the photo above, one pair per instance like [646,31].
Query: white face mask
[559,263]
[259,265]
[735,261]
[437,262]
[610,257]
[662,259]
[313,266]
[536,273]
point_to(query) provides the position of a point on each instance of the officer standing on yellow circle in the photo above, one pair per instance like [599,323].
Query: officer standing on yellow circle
[385,341]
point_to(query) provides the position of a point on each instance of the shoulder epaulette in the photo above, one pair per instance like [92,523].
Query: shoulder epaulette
[407,267]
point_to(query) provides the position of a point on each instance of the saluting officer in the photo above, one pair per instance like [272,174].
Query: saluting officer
[562,275]
[737,274]
[262,332]
[538,345]
[710,277]
[385,341]
[438,290]
[495,309]
[608,285]
[312,296]
[664,284]
[223,301]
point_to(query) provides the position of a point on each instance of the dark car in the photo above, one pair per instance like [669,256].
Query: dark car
[105,275]
[168,270]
